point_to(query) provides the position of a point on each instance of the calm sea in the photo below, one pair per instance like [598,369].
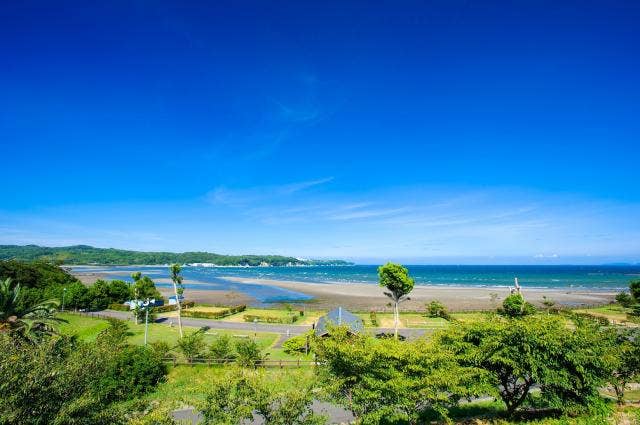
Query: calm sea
[596,278]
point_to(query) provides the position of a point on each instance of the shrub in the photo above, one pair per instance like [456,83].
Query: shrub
[296,344]
[173,307]
[634,288]
[222,348]
[516,306]
[132,372]
[374,318]
[214,314]
[291,318]
[119,307]
[238,397]
[248,353]
[192,345]
[624,299]
[436,309]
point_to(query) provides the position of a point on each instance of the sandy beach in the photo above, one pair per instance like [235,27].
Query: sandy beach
[365,297]
[456,298]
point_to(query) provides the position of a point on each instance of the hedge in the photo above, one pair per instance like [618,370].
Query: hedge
[173,307]
[214,314]
[270,319]
[119,307]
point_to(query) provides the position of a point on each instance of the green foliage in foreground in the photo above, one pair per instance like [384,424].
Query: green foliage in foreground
[30,322]
[66,381]
[516,306]
[568,365]
[83,254]
[392,380]
[238,395]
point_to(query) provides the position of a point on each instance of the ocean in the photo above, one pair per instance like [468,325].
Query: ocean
[595,278]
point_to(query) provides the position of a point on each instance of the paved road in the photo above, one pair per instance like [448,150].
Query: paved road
[243,326]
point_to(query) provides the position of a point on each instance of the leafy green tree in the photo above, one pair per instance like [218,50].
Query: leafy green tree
[119,291]
[27,321]
[241,395]
[625,357]
[389,381]
[75,296]
[98,295]
[248,352]
[396,279]
[144,287]
[634,288]
[178,289]
[221,348]
[516,306]
[568,365]
[624,299]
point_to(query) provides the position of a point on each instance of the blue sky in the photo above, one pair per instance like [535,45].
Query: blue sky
[426,132]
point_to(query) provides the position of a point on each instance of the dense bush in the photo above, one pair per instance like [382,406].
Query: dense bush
[65,381]
[248,352]
[173,307]
[297,344]
[291,318]
[436,309]
[238,397]
[516,306]
[624,299]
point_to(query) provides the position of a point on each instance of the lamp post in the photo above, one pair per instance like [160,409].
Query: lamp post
[255,327]
[64,292]
[146,321]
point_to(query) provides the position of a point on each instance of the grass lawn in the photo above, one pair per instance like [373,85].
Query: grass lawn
[186,384]
[202,308]
[612,312]
[239,317]
[87,328]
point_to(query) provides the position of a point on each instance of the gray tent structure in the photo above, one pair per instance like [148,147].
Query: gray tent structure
[339,317]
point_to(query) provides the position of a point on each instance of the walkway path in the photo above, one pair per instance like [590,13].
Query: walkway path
[243,326]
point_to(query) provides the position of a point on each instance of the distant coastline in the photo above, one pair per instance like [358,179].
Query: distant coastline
[88,255]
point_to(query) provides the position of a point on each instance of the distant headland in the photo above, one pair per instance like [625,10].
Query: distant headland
[88,255]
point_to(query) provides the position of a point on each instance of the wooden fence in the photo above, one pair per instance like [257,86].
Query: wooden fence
[259,363]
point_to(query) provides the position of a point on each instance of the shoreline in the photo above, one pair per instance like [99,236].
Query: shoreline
[362,296]
[369,296]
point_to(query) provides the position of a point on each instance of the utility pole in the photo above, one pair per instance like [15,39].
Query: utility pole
[146,322]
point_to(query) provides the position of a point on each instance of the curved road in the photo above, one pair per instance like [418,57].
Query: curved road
[243,326]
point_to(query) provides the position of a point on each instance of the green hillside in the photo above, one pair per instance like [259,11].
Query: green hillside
[84,254]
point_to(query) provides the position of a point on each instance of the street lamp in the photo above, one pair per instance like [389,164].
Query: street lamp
[64,291]
[255,327]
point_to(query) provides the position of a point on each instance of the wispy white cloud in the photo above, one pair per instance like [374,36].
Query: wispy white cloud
[247,196]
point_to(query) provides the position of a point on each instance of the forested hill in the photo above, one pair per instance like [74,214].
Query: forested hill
[83,254]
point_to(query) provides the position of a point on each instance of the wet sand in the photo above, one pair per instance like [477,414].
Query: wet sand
[365,297]
[457,298]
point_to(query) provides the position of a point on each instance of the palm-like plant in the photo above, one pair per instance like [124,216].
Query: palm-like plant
[31,321]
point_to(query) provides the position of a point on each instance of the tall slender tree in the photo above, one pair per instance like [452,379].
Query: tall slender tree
[396,279]
[178,289]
